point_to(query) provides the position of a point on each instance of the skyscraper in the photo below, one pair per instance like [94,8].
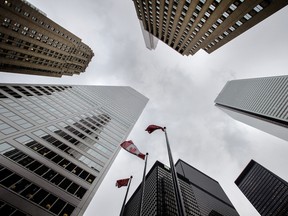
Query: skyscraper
[58,142]
[260,102]
[202,195]
[267,192]
[31,43]
[210,196]
[188,26]
[149,39]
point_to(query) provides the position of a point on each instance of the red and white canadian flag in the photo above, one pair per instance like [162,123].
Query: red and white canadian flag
[151,128]
[122,182]
[130,147]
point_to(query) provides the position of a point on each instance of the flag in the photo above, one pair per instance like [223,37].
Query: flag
[130,147]
[122,182]
[152,128]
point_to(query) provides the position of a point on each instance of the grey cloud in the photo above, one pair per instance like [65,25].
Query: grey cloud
[181,91]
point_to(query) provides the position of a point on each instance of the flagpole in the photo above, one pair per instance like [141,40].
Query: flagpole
[178,194]
[143,186]
[123,206]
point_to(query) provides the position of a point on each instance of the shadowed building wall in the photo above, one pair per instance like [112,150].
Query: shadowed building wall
[267,192]
[199,199]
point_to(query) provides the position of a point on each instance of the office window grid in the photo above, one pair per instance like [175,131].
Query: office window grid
[34,193]
[216,24]
[93,139]
[73,149]
[159,198]
[267,97]
[42,170]
[86,145]
[6,128]
[266,191]
[244,20]
[188,26]
[103,142]
[94,142]
[75,152]
[56,158]
[150,199]
[9,210]
[9,116]
[20,110]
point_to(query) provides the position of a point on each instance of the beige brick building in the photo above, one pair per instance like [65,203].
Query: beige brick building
[188,26]
[31,43]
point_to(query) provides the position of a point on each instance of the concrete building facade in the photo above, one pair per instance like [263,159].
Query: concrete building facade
[188,26]
[31,43]
[260,102]
[57,142]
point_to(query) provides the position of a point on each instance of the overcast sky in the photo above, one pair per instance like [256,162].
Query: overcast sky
[181,91]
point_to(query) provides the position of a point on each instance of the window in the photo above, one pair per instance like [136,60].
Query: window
[16,26]
[212,7]
[207,14]
[225,14]
[233,7]
[6,22]
[28,190]
[26,14]
[239,23]
[247,16]
[258,8]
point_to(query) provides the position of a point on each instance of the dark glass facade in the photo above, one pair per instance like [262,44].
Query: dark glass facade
[267,192]
[159,198]
[210,196]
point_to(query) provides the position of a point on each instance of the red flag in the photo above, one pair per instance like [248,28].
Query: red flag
[152,128]
[122,182]
[130,147]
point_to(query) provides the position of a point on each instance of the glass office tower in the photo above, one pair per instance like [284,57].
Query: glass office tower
[259,102]
[211,198]
[57,143]
[202,195]
[267,192]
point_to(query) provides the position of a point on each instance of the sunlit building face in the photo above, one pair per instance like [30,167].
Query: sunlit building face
[58,142]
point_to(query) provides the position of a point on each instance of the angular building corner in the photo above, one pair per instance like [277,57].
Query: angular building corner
[31,43]
[267,192]
[149,39]
[57,143]
[259,102]
[202,195]
[188,26]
